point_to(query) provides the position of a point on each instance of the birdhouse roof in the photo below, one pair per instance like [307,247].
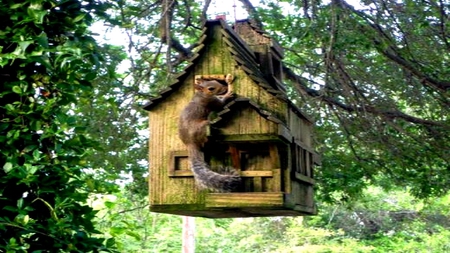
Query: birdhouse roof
[242,54]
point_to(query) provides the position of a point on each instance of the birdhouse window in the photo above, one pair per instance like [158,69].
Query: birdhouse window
[303,162]
[277,68]
[179,164]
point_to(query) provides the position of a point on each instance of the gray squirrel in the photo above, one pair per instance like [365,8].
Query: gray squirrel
[210,95]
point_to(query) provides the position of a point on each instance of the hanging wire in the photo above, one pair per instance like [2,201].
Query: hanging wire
[234,9]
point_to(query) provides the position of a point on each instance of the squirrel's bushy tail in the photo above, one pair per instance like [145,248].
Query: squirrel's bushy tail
[205,178]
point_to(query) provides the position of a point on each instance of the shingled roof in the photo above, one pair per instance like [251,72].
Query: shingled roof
[243,55]
[240,52]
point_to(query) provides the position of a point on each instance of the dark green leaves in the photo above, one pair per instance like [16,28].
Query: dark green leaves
[47,64]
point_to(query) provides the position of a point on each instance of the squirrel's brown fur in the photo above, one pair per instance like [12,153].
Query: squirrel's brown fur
[209,96]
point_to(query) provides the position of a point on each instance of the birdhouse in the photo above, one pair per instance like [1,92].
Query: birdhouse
[260,133]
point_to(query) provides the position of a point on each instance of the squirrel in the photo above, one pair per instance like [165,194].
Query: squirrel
[209,96]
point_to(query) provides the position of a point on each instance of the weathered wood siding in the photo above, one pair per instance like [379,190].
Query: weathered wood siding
[246,87]
[301,128]
[302,177]
[277,174]
[245,120]
[163,142]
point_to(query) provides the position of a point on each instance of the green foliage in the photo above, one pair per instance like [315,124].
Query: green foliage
[389,222]
[375,81]
[47,63]
[116,101]
[373,76]
[379,222]
[126,217]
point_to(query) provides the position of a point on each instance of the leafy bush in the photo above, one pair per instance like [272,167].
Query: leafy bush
[47,63]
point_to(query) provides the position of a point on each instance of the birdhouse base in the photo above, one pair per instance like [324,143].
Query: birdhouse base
[235,205]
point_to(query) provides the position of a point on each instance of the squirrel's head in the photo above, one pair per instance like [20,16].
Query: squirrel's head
[210,87]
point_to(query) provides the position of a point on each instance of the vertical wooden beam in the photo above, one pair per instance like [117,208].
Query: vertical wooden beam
[275,165]
[257,184]
[308,164]
[287,173]
[274,157]
[276,186]
[235,159]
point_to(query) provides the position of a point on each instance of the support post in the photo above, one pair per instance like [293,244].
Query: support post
[188,234]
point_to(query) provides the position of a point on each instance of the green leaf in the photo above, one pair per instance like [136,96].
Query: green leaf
[18,5]
[37,53]
[109,204]
[24,45]
[114,231]
[3,126]
[36,125]
[36,154]
[7,167]
[79,17]
[17,89]
[20,203]
[90,76]
[22,219]
[134,235]
[10,208]
[111,242]
[31,169]
[36,13]
[42,40]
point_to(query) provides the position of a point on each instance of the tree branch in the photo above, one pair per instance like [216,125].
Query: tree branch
[133,209]
[252,13]
[302,87]
[165,27]
[204,10]
[392,52]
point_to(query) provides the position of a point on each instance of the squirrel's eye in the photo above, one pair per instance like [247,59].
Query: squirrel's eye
[211,88]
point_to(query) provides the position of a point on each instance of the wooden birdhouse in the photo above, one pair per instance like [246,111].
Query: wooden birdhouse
[259,132]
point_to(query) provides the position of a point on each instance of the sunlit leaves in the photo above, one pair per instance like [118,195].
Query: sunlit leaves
[47,62]
[383,66]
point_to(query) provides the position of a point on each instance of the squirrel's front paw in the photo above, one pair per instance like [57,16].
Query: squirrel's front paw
[226,96]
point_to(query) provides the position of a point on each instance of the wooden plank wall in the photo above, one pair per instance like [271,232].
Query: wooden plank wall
[301,128]
[245,120]
[164,141]
[302,181]
[163,119]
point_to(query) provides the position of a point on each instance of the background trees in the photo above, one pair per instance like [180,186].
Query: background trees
[373,74]
[48,61]
[377,222]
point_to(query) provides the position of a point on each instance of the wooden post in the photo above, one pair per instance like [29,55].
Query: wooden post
[188,244]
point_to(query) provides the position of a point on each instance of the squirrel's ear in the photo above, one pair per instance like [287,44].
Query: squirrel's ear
[197,84]
[198,87]
[229,78]
[198,81]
